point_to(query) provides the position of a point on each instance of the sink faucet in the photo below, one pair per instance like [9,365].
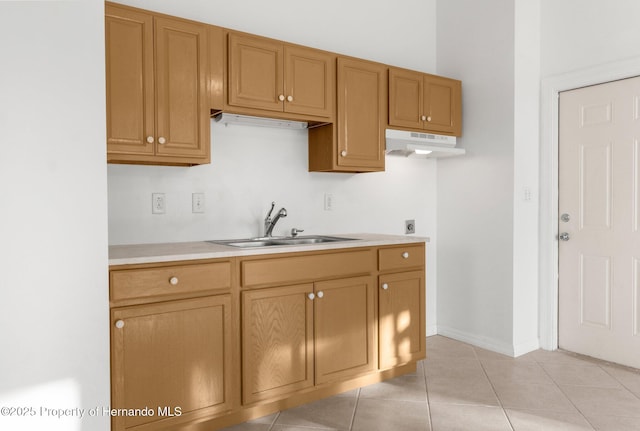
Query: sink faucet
[269,224]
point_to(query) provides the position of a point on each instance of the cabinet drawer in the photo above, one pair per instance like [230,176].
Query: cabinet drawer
[296,269]
[408,256]
[169,280]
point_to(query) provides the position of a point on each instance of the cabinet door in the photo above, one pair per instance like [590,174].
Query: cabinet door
[309,83]
[277,341]
[129,81]
[442,105]
[405,98]
[401,319]
[182,98]
[362,112]
[344,328]
[170,355]
[255,73]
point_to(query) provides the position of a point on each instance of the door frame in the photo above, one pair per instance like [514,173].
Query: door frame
[549,193]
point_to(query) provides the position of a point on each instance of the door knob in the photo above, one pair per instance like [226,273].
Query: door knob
[565,217]
[564,236]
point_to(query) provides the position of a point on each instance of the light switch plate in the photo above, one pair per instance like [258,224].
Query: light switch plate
[197,202]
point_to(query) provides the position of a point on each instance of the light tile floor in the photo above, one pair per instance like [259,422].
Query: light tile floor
[465,388]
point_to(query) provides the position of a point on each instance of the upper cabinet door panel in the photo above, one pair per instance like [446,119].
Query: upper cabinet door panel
[130,86]
[362,99]
[182,97]
[405,98]
[310,81]
[442,99]
[255,73]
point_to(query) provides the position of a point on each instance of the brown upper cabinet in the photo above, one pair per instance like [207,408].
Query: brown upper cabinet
[424,102]
[268,75]
[356,142]
[157,88]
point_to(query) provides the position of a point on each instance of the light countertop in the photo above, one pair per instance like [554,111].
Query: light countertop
[167,252]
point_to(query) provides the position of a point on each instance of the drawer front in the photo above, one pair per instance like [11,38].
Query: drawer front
[402,257]
[296,269]
[169,280]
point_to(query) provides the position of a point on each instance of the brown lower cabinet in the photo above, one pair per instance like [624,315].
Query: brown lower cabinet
[297,336]
[207,344]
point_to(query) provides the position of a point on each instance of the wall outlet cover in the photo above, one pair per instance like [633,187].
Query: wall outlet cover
[409,226]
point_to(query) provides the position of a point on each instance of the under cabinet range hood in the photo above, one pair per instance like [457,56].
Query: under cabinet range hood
[422,145]
[247,120]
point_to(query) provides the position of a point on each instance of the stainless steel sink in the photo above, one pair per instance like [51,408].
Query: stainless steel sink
[275,241]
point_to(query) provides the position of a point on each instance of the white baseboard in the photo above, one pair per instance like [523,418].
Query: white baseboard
[432,330]
[488,343]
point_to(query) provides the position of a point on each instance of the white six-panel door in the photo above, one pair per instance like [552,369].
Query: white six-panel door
[599,208]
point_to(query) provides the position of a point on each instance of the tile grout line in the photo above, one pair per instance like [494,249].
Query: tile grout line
[423,364]
[620,381]
[544,370]
[504,412]
[273,423]
[355,408]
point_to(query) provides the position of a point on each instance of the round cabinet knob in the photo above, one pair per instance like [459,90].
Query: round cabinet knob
[405,255]
[311,296]
[173,281]
[423,118]
[281,97]
[385,286]
[428,118]
[161,140]
[289,98]
[150,139]
[119,324]
[343,153]
[320,294]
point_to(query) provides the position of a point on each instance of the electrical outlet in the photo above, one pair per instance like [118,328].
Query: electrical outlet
[409,226]
[197,202]
[158,204]
[328,202]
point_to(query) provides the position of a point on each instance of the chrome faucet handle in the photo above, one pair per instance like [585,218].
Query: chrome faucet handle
[295,231]
[273,205]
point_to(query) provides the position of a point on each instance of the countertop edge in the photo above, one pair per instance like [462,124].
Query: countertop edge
[183,251]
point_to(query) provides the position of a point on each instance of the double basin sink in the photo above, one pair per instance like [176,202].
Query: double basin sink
[276,241]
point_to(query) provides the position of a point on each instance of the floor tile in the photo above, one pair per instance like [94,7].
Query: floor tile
[532,396]
[438,346]
[603,401]
[333,413]
[516,372]
[387,415]
[461,391]
[615,423]
[408,388]
[580,375]
[629,378]
[543,420]
[454,368]
[447,417]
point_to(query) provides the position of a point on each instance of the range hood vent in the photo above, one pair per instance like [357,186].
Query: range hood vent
[422,145]
[247,120]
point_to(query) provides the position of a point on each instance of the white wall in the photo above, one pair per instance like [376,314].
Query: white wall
[253,166]
[578,34]
[476,192]
[53,219]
